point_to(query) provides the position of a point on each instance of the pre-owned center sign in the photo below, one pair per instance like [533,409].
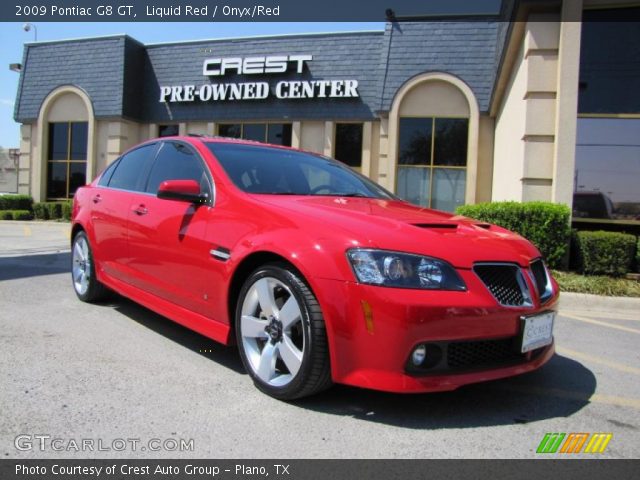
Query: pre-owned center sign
[274,64]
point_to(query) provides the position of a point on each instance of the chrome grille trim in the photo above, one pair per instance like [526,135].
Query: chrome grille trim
[541,279]
[505,282]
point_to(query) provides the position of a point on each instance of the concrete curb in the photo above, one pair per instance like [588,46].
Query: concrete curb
[587,302]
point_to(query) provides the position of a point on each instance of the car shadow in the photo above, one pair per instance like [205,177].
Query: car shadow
[559,389]
[26,266]
[224,355]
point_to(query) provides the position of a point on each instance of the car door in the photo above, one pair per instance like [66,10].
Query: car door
[111,200]
[169,254]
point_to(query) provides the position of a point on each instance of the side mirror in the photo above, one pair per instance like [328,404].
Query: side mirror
[182,190]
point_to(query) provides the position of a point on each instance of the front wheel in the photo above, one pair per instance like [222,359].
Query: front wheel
[83,271]
[281,334]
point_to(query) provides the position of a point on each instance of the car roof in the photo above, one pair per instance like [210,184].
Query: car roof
[218,139]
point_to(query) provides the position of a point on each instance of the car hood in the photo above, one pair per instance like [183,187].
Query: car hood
[400,226]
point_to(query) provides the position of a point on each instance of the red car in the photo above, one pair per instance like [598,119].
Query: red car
[318,274]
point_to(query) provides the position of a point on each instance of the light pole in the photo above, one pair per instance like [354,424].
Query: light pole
[28,26]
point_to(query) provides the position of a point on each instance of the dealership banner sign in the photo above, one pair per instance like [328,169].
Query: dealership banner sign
[259,90]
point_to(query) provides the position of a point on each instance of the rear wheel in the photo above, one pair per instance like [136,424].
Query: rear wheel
[83,273]
[281,334]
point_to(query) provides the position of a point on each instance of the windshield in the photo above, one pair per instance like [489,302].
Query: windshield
[276,171]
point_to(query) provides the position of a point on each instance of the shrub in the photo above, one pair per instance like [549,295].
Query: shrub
[40,211]
[638,256]
[16,202]
[545,224]
[16,215]
[606,253]
[22,215]
[54,209]
[66,210]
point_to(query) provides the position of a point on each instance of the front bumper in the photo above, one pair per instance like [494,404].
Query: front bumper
[372,350]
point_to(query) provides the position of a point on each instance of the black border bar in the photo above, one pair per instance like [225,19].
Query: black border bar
[321,469]
[240,10]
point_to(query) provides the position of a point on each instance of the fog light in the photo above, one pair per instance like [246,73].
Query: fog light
[418,355]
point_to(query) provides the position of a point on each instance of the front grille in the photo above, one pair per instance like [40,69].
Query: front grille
[542,280]
[481,353]
[505,282]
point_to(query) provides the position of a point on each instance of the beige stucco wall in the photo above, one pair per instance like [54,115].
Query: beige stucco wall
[509,132]
[374,159]
[485,159]
[312,136]
[535,130]
[28,152]
[526,121]
[434,98]
[564,154]
[68,107]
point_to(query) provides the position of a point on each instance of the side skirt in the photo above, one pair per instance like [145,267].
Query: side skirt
[194,321]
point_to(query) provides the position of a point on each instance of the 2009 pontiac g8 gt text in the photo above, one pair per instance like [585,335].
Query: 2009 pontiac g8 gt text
[318,274]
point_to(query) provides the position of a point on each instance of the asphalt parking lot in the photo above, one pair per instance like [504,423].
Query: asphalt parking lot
[115,370]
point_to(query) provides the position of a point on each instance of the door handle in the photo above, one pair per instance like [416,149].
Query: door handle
[97,199]
[140,210]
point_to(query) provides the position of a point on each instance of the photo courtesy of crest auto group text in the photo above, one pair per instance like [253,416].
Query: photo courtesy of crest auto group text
[275,239]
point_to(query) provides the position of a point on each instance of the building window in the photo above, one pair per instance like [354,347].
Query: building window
[432,162]
[348,144]
[274,133]
[67,159]
[607,169]
[168,130]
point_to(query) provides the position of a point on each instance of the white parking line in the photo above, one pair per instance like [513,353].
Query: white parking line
[602,361]
[575,395]
[609,315]
[598,322]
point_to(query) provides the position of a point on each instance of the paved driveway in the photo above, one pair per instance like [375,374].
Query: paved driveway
[116,371]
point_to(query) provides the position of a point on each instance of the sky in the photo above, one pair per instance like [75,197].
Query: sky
[13,37]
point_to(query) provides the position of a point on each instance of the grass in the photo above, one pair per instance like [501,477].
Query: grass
[597,285]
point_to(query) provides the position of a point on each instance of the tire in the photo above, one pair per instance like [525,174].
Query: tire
[281,334]
[83,271]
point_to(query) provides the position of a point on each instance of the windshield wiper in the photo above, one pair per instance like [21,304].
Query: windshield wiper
[276,193]
[344,194]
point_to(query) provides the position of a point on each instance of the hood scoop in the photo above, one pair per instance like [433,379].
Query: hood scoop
[436,226]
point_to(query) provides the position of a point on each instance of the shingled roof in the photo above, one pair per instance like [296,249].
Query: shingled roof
[122,77]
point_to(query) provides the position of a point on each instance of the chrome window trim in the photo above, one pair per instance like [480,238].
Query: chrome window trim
[210,202]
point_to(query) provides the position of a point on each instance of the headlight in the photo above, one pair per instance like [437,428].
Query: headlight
[405,270]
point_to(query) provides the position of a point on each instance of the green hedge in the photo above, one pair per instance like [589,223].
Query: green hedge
[52,210]
[16,202]
[66,211]
[605,253]
[16,215]
[545,224]
[40,211]
[55,210]
[638,256]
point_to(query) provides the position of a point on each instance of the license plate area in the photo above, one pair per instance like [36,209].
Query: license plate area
[537,331]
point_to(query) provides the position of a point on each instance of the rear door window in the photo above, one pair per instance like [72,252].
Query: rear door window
[129,172]
[106,175]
